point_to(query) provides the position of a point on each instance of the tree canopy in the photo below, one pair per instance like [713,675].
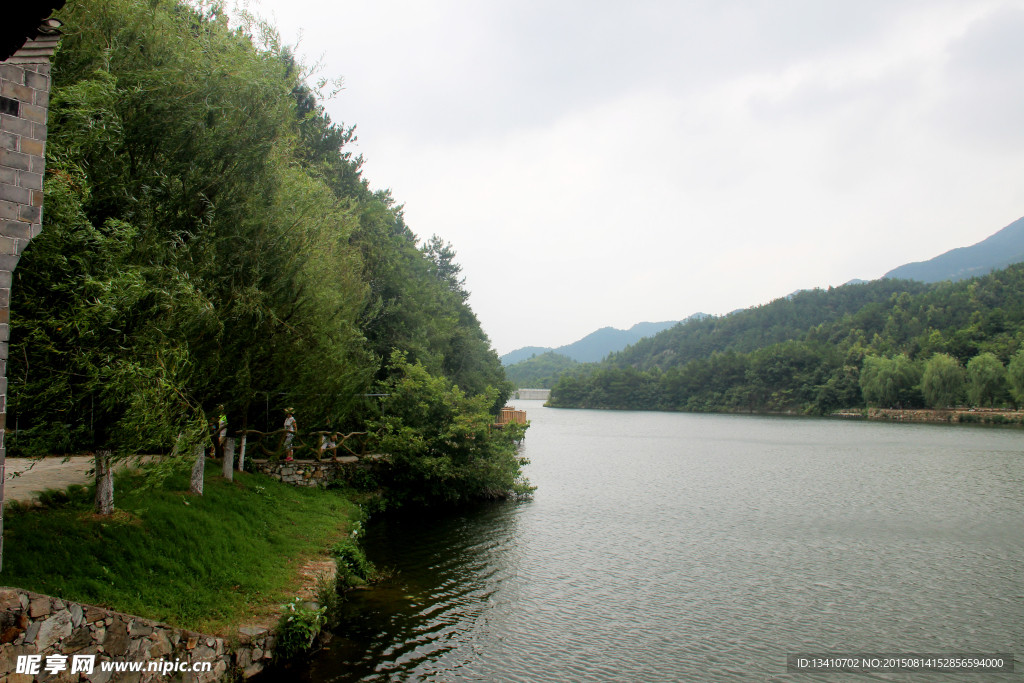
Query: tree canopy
[209,238]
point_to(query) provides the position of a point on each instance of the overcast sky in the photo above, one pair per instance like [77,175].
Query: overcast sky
[599,163]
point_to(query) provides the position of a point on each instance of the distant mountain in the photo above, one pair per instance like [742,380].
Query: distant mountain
[596,345]
[513,357]
[996,252]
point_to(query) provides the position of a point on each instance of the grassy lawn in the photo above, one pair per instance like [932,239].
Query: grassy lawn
[204,563]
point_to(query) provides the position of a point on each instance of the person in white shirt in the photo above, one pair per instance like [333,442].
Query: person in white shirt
[291,426]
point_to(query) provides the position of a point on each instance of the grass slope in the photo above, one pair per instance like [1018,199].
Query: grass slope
[203,563]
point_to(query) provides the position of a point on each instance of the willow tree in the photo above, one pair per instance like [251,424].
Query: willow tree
[943,381]
[987,378]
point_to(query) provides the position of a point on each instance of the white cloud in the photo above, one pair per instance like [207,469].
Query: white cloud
[595,166]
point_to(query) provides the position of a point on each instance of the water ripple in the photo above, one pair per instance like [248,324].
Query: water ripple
[674,547]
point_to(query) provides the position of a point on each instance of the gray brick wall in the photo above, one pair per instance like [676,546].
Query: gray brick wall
[24,100]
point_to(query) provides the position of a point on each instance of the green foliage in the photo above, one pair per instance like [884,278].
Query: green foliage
[299,626]
[201,563]
[890,382]
[539,372]
[442,445]
[986,379]
[818,352]
[1015,376]
[943,381]
[209,240]
[353,567]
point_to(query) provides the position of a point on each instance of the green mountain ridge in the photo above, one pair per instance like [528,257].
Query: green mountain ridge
[997,251]
[821,350]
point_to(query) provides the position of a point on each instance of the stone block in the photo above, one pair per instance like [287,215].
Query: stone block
[116,640]
[54,629]
[37,81]
[18,229]
[26,212]
[13,124]
[93,614]
[31,632]
[17,91]
[28,145]
[80,639]
[13,159]
[33,113]
[42,98]
[37,164]
[8,211]
[39,607]
[38,129]
[251,670]
[18,195]
[13,73]
[32,181]
[161,645]
[9,601]
[8,176]
[8,245]
[9,140]
[77,615]
[37,198]
[8,262]
[98,675]
[140,628]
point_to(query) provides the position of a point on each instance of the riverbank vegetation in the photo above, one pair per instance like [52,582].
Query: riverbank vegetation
[887,343]
[199,562]
[210,239]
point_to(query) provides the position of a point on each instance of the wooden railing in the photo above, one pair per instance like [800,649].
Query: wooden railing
[275,444]
[509,414]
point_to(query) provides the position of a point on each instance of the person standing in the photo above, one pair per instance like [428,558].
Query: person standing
[219,432]
[290,426]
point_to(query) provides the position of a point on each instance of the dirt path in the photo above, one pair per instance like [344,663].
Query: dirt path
[24,479]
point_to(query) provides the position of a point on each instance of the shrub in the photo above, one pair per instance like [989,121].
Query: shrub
[442,443]
[299,625]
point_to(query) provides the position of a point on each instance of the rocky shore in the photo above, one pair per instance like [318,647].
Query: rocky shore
[955,415]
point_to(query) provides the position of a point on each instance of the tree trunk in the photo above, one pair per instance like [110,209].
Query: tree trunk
[104,483]
[229,458]
[197,471]
[241,455]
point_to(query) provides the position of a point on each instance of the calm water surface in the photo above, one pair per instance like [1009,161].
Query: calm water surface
[682,547]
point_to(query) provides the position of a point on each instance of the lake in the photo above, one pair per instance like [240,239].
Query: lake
[690,547]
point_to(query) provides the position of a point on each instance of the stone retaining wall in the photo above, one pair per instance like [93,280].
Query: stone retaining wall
[975,415]
[314,473]
[35,624]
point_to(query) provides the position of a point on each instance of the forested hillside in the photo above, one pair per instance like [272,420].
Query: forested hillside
[540,372]
[887,343]
[210,239]
[746,330]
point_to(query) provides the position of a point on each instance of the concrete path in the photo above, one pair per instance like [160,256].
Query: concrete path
[24,480]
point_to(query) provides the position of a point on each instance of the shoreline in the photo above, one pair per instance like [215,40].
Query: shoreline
[988,416]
